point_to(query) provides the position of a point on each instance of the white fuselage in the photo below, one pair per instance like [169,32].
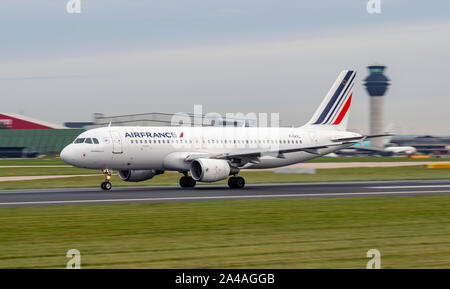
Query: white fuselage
[165,148]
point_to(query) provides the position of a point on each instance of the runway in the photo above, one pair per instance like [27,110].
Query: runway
[43,197]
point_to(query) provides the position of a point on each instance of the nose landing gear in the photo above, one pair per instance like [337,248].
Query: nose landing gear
[106,185]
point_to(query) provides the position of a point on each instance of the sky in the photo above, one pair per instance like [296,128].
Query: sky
[125,57]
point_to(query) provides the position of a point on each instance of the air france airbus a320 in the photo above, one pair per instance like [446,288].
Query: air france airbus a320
[210,154]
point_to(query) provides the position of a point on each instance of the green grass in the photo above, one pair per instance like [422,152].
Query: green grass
[45,171]
[252,177]
[32,162]
[410,232]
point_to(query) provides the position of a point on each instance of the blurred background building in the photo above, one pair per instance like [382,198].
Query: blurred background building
[22,136]
[165,119]
[427,145]
[376,85]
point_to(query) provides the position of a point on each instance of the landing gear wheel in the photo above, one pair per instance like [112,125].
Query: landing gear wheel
[191,182]
[183,182]
[187,182]
[236,182]
[240,182]
[106,186]
[232,182]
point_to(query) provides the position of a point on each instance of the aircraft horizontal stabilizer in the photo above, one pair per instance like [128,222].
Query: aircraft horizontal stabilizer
[360,138]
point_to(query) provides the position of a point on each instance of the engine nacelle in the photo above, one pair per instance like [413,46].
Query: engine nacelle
[138,175]
[209,170]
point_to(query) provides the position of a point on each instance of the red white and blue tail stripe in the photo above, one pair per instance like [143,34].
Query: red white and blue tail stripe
[333,110]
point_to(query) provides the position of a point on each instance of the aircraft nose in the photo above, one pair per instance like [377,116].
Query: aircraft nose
[67,155]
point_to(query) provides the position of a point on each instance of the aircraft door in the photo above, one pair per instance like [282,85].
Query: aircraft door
[117,143]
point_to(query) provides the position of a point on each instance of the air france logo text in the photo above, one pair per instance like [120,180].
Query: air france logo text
[152,134]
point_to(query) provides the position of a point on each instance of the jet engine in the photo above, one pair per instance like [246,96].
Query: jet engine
[138,175]
[209,170]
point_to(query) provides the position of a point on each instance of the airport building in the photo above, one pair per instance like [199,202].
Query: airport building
[376,85]
[17,121]
[427,145]
[162,119]
[22,136]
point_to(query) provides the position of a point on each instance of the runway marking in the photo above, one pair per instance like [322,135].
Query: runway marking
[225,197]
[410,187]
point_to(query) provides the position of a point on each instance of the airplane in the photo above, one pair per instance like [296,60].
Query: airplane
[365,148]
[401,150]
[210,154]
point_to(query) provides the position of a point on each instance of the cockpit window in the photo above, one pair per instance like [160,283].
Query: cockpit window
[95,140]
[79,140]
[88,140]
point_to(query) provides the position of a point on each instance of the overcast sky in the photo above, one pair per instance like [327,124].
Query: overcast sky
[282,56]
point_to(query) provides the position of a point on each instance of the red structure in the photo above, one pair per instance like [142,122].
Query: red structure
[17,121]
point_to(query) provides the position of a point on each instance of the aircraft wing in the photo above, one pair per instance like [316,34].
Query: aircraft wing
[254,155]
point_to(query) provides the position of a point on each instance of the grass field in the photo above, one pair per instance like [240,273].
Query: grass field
[252,177]
[410,232]
[45,171]
[31,162]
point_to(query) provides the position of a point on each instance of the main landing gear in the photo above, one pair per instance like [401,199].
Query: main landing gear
[236,182]
[187,181]
[106,185]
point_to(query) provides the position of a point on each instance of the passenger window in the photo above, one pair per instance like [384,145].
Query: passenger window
[95,140]
[79,140]
[88,140]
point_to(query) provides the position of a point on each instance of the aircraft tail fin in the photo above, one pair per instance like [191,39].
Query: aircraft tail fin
[333,111]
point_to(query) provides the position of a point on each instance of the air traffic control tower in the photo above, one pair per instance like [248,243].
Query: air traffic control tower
[376,85]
